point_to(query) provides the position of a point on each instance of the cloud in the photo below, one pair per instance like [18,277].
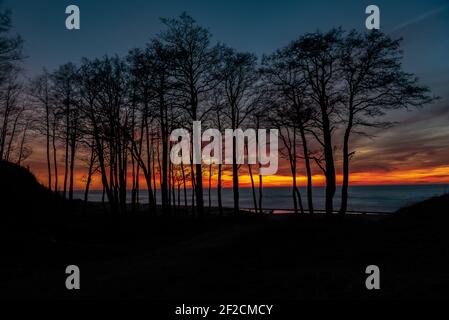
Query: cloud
[419,18]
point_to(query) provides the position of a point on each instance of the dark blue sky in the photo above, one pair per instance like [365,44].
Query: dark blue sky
[260,26]
[420,140]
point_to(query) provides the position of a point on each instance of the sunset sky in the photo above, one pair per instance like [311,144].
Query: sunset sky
[416,150]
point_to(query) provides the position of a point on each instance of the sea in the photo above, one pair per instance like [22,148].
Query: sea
[382,198]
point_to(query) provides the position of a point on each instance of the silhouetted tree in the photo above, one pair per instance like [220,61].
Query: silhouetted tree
[10,46]
[40,89]
[287,88]
[11,112]
[373,83]
[142,78]
[239,73]
[217,101]
[162,86]
[281,119]
[113,108]
[317,55]
[194,63]
[10,57]
[66,99]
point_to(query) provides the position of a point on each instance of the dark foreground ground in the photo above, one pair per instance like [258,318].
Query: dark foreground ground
[231,258]
[223,258]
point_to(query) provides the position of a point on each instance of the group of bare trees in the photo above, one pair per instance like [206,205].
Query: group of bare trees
[113,116]
[335,82]
[15,123]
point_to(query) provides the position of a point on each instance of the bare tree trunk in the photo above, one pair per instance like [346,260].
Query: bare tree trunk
[173,185]
[219,186]
[235,178]
[137,181]
[55,155]
[72,165]
[179,196]
[151,199]
[184,185]
[253,189]
[107,185]
[330,165]
[133,189]
[89,178]
[165,165]
[199,190]
[66,160]
[11,139]
[295,158]
[192,177]
[47,127]
[296,194]
[308,169]
[210,186]
[72,158]
[295,201]
[260,166]
[137,186]
[123,165]
[168,186]
[4,130]
[153,161]
[260,192]
[345,185]
[22,143]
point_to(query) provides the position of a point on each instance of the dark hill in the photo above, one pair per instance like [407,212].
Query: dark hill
[22,197]
[27,213]
[435,209]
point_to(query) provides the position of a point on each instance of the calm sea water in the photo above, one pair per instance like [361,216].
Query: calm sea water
[364,198]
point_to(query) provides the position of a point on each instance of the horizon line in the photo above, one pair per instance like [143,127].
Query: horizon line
[286,186]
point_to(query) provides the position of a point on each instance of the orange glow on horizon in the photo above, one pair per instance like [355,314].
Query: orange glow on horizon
[438,175]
